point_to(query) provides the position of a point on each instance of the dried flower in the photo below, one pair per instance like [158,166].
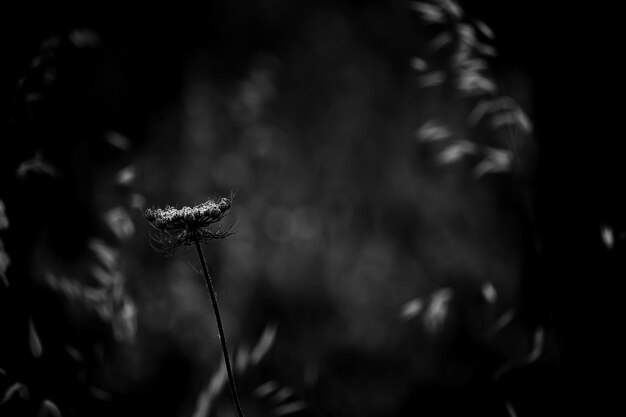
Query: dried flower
[177,228]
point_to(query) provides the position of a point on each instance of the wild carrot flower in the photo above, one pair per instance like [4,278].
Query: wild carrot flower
[175,229]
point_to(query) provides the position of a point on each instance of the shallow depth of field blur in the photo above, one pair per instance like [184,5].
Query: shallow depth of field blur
[388,256]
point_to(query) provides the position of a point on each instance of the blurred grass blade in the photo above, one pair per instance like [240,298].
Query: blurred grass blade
[120,223]
[33,340]
[437,310]
[242,359]
[510,409]
[117,140]
[15,389]
[607,236]
[484,29]
[264,344]
[126,176]
[74,353]
[440,41]
[207,397]
[282,394]
[107,256]
[432,79]
[485,49]
[503,321]
[479,111]
[456,151]
[265,389]
[419,64]
[431,131]
[290,408]
[430,13]
[412,309]
[497,160]
[38,165]
[84,38]
[466,34]
[48,409]
[453,8]
[4,220]
[474,83]
[535,353]
[489,292]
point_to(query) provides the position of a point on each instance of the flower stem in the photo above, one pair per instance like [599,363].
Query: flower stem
[216,309]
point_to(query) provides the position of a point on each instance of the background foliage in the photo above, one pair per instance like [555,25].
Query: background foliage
[411,213]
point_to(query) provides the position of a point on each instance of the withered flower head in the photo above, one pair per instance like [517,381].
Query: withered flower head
[176,229]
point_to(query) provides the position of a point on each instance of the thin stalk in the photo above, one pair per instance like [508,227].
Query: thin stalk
[220,328]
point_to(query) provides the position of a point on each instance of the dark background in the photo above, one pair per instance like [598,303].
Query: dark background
[306,110]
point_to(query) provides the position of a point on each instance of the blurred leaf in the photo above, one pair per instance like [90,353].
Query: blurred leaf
[16,389]
[437,311]
[510,409]
[32,97]
[105,277]
[479,111]
[48,409]
[120,223]
[117,140]
[472,65]
[419,64]
[432,79]
[412,308]
[538,344]
[290,408]
[266,389]
[52,42]
[466,34]
[107,256]
[206,399]
[489,292]
[455,151]
[474,83]
[497,160]
[606,232]
[49,76]
[432,132]
[282,394]
[485,49]
[440,41]
[430,13]
[515,118]
[264,344]
[453,8]
[33,340]
[535,353]
[37,61]
[126,176]
[125,322]
[137,201]
[99,393]
[509,114]
[4,220]
[484,29]
[74,353]
[242,359]
[37,165]
[84,38]
[5,261]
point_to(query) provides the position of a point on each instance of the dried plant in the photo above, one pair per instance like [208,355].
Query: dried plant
[175,229]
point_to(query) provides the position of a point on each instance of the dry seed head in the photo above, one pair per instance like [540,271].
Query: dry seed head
[178,228]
